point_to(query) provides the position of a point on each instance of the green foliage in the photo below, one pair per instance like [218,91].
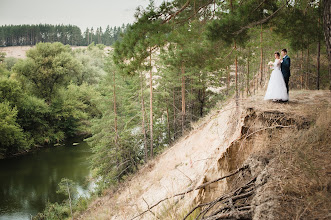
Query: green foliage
[57,100]
[12,137]
[67,186]
[233,21]
[4,71]
[69,110]
[54,211]
[47,67]
[114,157]
[33,116]
[146,34]
[10,62]
[10,90]
[62,211]
[305,28]
[92,60]
[2,56]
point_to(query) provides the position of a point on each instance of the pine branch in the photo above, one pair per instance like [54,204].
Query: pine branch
[176,13]
[260,21]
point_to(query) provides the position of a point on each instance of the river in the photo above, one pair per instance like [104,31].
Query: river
[27,182]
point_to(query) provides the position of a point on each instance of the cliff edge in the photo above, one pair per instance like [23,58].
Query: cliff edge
[249,159]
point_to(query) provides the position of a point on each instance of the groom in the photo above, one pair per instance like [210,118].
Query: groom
[285,67]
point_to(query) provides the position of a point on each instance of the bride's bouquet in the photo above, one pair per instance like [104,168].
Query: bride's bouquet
[270,64]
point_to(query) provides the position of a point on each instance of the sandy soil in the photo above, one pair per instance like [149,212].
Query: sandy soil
[17,51]
[20,51]
[193,160]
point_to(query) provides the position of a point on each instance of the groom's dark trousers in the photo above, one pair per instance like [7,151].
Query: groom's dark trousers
[285,68]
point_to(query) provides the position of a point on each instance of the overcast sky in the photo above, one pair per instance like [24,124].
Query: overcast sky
[83,13]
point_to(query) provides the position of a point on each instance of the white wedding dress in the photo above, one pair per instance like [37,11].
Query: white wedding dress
[276,87]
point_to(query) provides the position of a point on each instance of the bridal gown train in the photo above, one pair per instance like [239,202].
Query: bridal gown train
[276,87]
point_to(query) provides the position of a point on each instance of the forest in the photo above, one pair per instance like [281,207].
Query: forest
[168,70]
[25,35]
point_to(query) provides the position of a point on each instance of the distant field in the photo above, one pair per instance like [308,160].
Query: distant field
[19,51]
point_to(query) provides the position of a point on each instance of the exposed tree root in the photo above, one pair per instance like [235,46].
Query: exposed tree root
[227,207]
[190,190]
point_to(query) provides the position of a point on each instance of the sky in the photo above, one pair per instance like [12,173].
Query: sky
[83,13]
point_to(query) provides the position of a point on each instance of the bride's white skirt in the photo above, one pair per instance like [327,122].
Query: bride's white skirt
[276,87]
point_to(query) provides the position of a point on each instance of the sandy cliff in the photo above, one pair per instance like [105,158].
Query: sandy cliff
[240,139]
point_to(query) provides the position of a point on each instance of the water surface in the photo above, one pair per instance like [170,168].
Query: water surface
[27,182]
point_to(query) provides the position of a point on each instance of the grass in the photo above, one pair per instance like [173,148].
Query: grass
[304,167]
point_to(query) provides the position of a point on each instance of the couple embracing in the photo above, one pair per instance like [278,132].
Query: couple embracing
[278,84]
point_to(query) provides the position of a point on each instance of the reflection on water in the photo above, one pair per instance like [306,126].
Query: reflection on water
[28,182]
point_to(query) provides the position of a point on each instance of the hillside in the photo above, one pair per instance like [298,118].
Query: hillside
[268,148]
[20,51]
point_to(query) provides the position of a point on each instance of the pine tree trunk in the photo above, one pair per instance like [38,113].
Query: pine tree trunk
[168,124]
[236,74]
[327,31]
[302,61]
[318,64]
[91,37]
[242,79]
[307,73]
[191,100]
[69,199]
[115,122]
[261,64]
[151,101]
[247,84]
[202,96]
[143,117]
[253,80]
[236,69]
[115,110]
[183,98]
[174,106]
[257,78]
[228,80]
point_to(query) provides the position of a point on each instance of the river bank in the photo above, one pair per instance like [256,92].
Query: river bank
[80,137]
[30,180]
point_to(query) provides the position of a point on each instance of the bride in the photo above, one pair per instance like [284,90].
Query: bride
[276,90]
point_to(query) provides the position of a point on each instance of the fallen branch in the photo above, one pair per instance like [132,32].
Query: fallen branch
[150,209]
[233,196]
[184,175]
[192,189]
[235,215]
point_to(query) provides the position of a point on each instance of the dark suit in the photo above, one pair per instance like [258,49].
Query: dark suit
[285,68]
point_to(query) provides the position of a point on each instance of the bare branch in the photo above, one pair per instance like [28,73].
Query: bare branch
[149,208]
[192,189]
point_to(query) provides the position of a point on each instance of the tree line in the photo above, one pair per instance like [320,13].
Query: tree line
[25,35]
[170,68]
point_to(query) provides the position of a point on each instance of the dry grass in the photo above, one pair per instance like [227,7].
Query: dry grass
[304,165]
